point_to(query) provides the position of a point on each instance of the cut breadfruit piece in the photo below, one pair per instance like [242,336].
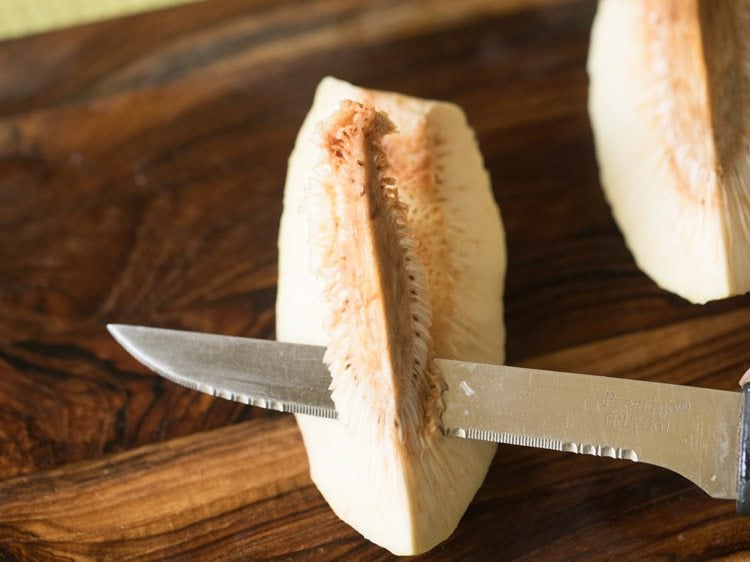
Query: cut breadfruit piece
[391,253]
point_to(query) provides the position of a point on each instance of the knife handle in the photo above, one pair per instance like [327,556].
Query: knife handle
[743,474]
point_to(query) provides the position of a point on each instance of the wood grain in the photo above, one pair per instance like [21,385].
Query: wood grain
[141,171]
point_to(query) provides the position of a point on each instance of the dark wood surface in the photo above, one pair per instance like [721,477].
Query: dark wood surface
[142,163]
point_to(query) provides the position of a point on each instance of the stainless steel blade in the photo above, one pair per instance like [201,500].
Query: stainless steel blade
[288,378]
[691,431]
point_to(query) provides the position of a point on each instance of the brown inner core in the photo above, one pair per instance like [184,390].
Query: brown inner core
[698,86]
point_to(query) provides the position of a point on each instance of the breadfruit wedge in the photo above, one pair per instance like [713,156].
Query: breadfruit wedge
[388,286]
[669,101]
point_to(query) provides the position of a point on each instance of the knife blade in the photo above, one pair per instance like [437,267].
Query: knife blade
[700,433]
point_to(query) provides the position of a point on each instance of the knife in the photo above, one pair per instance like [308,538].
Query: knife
[699,433]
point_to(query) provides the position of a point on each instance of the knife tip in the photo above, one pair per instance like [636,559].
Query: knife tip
[118,331]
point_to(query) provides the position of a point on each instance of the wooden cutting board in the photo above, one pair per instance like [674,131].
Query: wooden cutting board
[142,163]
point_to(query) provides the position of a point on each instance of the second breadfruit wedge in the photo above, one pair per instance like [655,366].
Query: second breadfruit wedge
[669,101]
